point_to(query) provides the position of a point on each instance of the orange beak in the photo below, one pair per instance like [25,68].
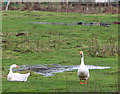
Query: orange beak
[17,66]
[80,52]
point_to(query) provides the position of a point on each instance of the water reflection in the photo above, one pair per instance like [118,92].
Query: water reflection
[49,69]
[105,24]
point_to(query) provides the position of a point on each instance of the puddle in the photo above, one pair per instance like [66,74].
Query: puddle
[105,24]
[49,69]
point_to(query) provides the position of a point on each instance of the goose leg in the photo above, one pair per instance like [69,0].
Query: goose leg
[85,81]
[81,82]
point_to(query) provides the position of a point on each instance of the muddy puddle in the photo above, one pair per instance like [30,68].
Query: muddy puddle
[105,24]
[49,69]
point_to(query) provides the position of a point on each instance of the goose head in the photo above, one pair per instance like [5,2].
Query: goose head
[13,66]
[82,57]
[81,53]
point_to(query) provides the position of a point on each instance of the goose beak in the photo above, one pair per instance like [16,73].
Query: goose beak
[80,52]
[17,66]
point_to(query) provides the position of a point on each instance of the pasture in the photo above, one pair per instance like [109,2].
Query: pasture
[59,44]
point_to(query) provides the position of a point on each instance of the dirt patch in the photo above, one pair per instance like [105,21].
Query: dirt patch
[20,34]
[26,51]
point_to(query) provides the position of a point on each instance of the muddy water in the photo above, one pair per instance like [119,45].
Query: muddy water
[105,24]
[49,70]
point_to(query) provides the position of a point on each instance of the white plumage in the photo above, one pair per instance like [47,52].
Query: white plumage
[16,76]
[83,72]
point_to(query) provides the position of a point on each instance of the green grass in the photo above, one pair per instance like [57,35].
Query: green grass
[60,44]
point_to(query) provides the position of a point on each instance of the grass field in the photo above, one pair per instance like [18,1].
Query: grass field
[59,44]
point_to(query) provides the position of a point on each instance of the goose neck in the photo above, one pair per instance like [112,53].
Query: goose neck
[82,60]
[11,70]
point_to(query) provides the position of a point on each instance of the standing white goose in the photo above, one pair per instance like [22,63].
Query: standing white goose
[16,76]
[83,72]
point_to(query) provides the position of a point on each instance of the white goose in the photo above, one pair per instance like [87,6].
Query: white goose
[16,76]
[83,72]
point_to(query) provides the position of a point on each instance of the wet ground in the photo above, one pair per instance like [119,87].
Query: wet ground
[105,24]
[50,69]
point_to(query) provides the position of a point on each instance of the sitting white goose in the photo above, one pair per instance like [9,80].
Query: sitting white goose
[83,72]
[17,76]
